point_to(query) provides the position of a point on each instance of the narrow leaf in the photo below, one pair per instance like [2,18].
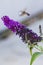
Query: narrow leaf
[34,56]
[41,48]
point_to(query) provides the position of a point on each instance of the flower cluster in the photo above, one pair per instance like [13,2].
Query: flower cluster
[21,30]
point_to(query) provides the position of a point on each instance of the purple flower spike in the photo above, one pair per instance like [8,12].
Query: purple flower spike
[13,25]
[21,30]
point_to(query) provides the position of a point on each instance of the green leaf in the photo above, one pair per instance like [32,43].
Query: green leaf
[34,56]
[41,40]
[41,48]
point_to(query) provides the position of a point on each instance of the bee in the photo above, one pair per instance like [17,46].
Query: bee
[23,12]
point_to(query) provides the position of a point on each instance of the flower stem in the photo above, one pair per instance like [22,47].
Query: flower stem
[31,51]
[40,30]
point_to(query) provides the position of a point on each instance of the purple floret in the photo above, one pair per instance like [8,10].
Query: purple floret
[21,30]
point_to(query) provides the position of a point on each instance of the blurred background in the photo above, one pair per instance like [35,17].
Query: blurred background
[12,50]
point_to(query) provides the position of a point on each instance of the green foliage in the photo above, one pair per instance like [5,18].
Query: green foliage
[40,47]
[34,57]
